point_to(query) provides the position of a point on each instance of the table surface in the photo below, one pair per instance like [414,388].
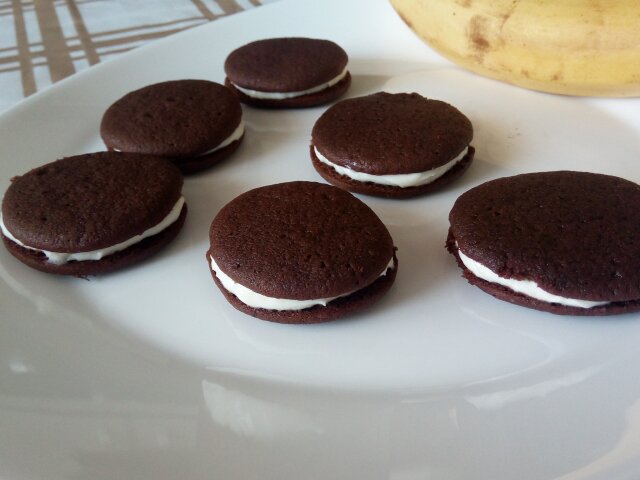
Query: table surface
[44,41]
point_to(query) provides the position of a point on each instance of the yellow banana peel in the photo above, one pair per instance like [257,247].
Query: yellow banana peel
[572,47]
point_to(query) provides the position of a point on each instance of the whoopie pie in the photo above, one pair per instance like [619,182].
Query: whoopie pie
[391,145]
[92,213]
[193,123]
[300,252]
[564,242]
[289,72]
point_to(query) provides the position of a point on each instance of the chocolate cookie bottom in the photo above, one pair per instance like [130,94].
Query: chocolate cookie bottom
[334,310]
[193,165]
[124,258]
[503,293]
[389,191]
[303,101]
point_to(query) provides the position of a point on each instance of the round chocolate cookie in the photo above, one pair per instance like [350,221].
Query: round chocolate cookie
[300,252]
[93,213]
[563,242]
[193,123]
[288,72]
[391,145]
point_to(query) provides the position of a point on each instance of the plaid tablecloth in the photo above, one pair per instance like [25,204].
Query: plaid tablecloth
[44,41]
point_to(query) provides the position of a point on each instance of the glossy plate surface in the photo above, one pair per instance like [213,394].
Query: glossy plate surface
[149,373]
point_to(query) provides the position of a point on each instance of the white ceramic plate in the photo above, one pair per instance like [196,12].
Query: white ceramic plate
[149,373]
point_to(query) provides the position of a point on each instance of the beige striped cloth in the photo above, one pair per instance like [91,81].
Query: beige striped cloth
[43,41]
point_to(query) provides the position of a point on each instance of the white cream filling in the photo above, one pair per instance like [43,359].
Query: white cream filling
[283,95]
[526,287]
[236,135]
[257,300]
[59,258]
[402,180]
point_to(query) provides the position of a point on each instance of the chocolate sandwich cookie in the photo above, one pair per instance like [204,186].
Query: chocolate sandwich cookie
[93,213]
[193,123]
[391,145]
[288,72]
[300,252]
[563,242]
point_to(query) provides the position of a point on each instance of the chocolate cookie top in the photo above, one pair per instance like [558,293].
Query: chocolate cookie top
[386,133]
[285,64]
[300,240]
[88,202]
[576,234]
[180,118]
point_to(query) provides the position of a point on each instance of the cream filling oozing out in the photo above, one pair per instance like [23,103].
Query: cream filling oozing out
[60,258]
[402,180]
[284,95]
[257,300]
[526,287]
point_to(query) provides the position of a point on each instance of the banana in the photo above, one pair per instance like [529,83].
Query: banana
[571,47]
